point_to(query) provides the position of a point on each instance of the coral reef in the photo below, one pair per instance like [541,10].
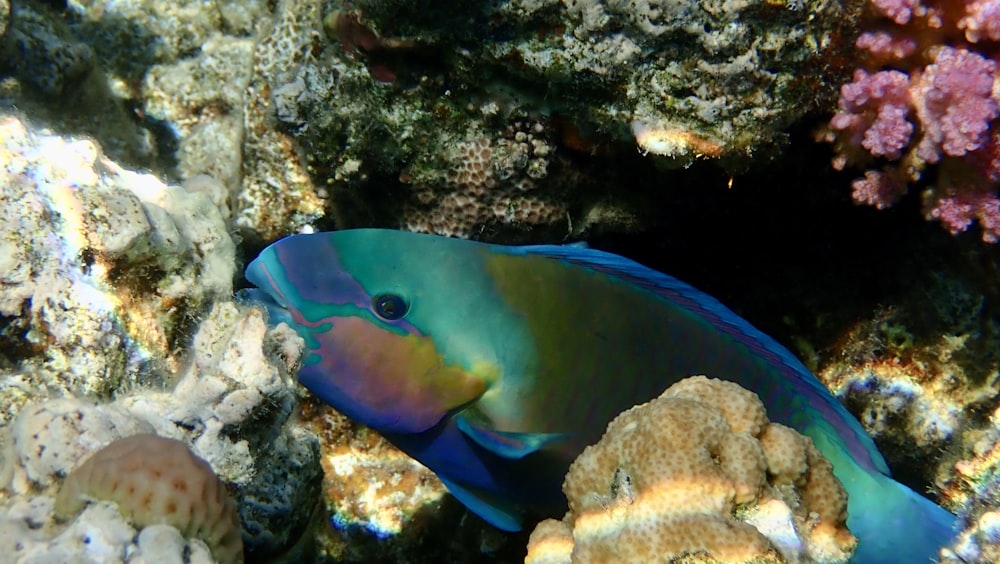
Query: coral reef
[102,268]
[924,101]
[99,534]
[232,406]
[699,473]
[98,263]
[115,287]
[403,99]
[160,86]
[971,483]
[117,319]
[300,110]
[675,63]
[158,480]
[921,371]
[277,195]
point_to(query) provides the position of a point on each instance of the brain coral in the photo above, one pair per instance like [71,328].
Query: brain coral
[698,474]
[156,480]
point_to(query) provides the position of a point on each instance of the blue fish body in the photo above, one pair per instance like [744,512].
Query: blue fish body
[495,366]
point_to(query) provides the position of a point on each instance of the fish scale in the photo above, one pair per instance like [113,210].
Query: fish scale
[508,361]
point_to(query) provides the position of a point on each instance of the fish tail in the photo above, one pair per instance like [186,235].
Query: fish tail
[894,523]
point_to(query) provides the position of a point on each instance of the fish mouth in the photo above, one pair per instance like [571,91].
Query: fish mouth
[265,294]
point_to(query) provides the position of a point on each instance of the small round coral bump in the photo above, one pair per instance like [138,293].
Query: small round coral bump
[157,480]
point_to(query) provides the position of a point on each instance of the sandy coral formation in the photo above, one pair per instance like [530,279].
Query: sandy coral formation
[48,440]
[699,473]
[158,480]
[202,99]
[99,534]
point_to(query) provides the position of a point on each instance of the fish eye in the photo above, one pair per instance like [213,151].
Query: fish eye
[389,306]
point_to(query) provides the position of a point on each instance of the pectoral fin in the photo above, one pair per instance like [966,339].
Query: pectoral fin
[495,510]
[503,443]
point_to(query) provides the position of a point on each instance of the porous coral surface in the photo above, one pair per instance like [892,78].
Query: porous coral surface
[102,267]
[430,115]
[699,473]
[118,319]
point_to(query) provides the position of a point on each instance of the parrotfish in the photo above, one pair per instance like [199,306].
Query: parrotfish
[495,366]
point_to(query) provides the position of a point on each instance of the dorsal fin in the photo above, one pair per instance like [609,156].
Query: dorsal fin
[684,295]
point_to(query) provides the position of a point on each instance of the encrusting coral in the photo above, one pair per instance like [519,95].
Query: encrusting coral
[698,474]
[156,480]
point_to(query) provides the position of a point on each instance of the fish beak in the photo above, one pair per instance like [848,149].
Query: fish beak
[266,294]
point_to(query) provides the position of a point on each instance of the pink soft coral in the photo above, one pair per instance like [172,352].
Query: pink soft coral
[927,99]
[957,212]
[982,21]
[953,101]
[873,112]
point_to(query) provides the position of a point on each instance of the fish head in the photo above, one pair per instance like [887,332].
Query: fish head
[357,297]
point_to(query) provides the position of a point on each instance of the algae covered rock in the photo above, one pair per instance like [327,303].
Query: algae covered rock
[455,118]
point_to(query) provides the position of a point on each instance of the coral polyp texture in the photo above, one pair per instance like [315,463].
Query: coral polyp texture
[156,480]
[698,473]
[454,119]
[922,110]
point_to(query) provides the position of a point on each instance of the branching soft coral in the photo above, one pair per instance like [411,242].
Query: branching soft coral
[926,99]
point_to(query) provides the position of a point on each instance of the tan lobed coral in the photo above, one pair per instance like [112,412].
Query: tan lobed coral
[698,475]
[156,480]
